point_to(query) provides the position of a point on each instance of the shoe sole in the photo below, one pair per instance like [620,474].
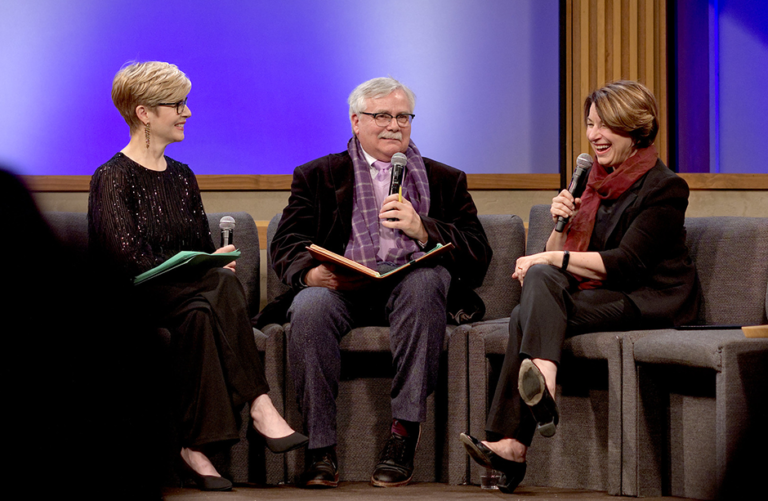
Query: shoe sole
[474,452]
[377,483]
[322,484]
[530,383]
[532,387]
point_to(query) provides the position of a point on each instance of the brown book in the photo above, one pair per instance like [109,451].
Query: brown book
[326,256]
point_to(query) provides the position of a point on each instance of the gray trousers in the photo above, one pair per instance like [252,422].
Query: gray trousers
[414,307]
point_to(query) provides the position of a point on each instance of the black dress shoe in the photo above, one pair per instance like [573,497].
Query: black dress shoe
[204,482]
[285,444]
[395,466]
[512,472]
[534,392]
[321,470]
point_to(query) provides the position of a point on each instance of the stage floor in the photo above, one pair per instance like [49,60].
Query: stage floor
[420,492]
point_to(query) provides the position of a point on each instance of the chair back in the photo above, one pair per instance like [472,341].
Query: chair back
[731,258]
[246,239]
[506,236]
[274,286]
[540,226]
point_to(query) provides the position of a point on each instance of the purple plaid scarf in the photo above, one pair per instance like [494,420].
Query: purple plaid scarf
[364,240]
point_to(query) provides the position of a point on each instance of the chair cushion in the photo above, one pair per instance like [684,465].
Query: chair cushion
[375,339]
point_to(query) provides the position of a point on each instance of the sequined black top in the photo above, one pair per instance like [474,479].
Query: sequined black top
[138,218]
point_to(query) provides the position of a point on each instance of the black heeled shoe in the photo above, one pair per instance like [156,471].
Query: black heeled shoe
[512,472]
[534,392]
[204,482]
[285,444]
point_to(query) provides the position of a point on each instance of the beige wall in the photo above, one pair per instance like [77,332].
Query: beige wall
[265,204]
[728,203]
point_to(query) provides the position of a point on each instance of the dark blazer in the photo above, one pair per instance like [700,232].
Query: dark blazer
[319,211]
[645,252]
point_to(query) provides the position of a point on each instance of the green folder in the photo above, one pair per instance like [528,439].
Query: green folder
[188,260]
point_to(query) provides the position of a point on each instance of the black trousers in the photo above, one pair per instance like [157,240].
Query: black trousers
[551,308]
[215,364]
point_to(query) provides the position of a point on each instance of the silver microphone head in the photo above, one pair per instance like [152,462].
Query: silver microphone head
[399,159]
[227,223]
[584,161]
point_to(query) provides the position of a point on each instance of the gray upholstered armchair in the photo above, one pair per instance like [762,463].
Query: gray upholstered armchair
[694,400]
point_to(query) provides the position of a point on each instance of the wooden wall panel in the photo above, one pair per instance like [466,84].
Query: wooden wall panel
[282,182]
[609,40]
[256,183]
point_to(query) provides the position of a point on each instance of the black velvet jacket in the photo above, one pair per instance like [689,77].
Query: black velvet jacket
[319,211]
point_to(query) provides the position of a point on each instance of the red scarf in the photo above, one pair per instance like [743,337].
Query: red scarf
[603,185]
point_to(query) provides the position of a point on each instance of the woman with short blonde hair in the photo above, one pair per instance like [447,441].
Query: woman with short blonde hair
[149,84]
[145,207]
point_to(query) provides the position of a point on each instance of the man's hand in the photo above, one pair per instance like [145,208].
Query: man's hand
[407,219]
[224,250]
[325,276]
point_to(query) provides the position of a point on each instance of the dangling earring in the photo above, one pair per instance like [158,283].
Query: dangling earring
[146,133]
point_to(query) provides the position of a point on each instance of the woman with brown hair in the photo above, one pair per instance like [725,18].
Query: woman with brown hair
[621,263]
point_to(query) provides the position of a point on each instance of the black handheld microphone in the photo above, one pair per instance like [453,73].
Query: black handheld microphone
[227,227]
[399,161]
[578,184]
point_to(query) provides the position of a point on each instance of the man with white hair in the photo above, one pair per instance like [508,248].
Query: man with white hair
[341,202]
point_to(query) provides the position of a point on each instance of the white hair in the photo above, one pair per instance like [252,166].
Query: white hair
[375,88]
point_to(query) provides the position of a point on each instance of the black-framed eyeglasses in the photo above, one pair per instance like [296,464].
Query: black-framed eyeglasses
[384,119]
[179,105]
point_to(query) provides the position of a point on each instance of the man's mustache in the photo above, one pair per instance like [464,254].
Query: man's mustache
[385,134]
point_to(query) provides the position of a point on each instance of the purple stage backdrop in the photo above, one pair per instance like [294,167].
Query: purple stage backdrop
[270,79]
[739,86]
[721,71]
